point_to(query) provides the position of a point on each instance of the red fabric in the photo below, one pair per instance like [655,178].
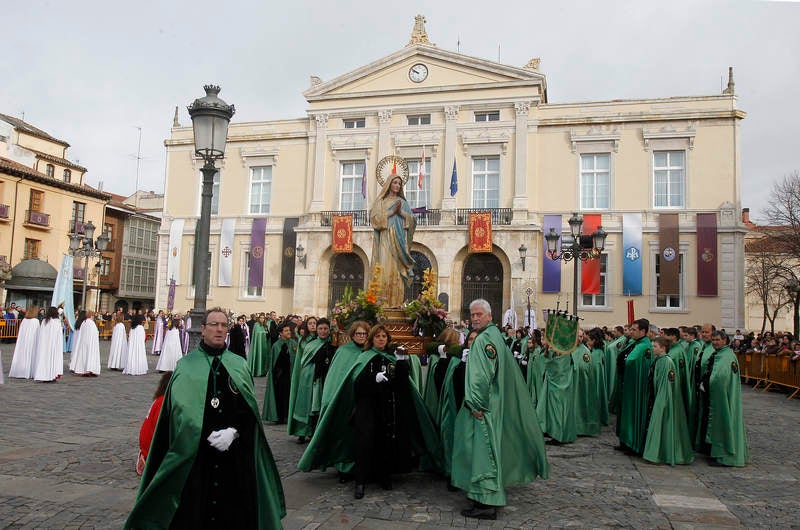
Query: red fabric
[149,426]
[590,269]
[480,232]
[631,316]
[342,228]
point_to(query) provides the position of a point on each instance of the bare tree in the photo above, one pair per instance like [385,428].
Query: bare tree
[783,214]
[765,280]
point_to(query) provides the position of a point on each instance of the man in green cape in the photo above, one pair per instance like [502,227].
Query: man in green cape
[301,397]
[555,408]
[279,377]
[684,366]
[209,462]
[635,368]
[612,349]
[260,348]
[667,440]
[721,433]
[498,442]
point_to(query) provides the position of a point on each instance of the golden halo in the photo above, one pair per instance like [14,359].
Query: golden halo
[384,169]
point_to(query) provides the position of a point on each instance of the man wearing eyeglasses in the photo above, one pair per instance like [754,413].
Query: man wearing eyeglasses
[209,463]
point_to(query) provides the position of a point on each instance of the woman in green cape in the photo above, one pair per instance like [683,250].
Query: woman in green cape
[437,368]
[258,358]
[595,342]
[301,394]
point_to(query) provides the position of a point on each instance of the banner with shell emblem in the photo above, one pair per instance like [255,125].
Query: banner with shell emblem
[480,232]
[174,258]
[342,229]
[706,254]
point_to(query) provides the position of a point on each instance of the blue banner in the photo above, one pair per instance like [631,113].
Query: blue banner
[631,254]
[62,290]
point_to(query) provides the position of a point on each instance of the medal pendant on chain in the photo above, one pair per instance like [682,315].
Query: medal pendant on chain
[215,402]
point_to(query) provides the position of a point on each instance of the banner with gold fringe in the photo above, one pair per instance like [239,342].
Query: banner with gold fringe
[480,232]
[342,228]
[562,332]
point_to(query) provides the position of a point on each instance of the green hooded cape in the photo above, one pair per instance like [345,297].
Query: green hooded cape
[333,441]
[556,408]
[269,410]
[668,440]
[506,447]
[612,349]
[429,394]
[448,410]
[177,438]
[632,420]
[258,356]
[535,379]
[301,395]
[683,359]
[601,391]
[588,385]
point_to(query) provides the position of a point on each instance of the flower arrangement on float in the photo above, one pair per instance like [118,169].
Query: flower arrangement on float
[364,305]
[426,311]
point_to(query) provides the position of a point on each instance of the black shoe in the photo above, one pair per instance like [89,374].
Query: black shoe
[553,441]
[359,493]
[481,511]
[301,439]
[345,477]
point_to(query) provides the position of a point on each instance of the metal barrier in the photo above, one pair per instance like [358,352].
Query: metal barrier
[771,370]
[9,328]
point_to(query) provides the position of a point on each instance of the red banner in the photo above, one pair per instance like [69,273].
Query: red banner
[706,254]
[342,228]
[590,269]
[631,315]
[480,232]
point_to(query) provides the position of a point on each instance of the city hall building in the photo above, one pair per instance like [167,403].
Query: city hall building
[662,176]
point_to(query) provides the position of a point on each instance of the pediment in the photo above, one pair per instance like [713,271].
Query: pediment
[446,71]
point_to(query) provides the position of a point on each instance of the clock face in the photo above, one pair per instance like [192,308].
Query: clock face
[418,73]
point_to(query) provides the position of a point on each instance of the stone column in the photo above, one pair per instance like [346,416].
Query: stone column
[520,204]
[450,143]
[384,120]
[317,197]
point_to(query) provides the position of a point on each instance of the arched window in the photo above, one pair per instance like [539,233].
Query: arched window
[50,171]
[67,175]
[483,278]
[421,262]
[346,269]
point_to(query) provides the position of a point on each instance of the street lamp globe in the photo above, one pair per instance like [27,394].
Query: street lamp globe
[74,241]
[599,239]
[575,224]
[552,240]
[210,119]
[102,242]
[88,230]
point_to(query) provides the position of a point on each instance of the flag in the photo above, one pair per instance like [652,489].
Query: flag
[171,295]
[631,315]
[342,230]
[480,232]
[174,258]
[590,269]
[257,238]
[551,269]
[421,169]
[225,276]
[669,254]
[706,254]
[364,181]
[631,254]
[62,290]
[454,180]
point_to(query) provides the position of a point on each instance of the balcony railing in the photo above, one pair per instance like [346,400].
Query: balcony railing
[428,217]
[360,217]
[37,218]
[4,211]
[75,226]
[500,216]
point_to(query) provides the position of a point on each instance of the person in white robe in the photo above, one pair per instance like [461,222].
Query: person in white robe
[158,334]
[137,352]
[49,363]
[171,352]
[118,354]
[86,355]
[25,348]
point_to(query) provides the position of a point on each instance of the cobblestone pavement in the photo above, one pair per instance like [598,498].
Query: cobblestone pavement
[67,452]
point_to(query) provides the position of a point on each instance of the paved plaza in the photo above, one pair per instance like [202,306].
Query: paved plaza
[67,454]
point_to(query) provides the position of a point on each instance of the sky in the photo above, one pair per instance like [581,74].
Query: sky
[94,73]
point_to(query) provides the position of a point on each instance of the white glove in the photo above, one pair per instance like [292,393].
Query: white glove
[222,440]
[517,355]
[464,355]
[702,387]
[524,362]
[380,377]
[440,350]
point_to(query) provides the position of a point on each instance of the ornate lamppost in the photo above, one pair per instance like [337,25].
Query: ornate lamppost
[210,119]
[575,246]
[85,246]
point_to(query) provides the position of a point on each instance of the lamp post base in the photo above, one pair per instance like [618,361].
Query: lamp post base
[197,316]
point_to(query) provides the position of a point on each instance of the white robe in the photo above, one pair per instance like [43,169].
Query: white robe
[49,363]
[137,353]
[87,354]
[76,338]
[171,352]
[118,355]
[25,350]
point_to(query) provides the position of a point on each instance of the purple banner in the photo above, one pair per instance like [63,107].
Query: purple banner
[257,238]
[551,269]
[171,295]
[707,254]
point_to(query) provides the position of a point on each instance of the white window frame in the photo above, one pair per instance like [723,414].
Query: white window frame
[486,116]
[418,119]
[354,123]
[593,174]
[264,181]
[484,201]
[669,168]
[245,292]
[356,176]
[682,299]
[605,277]
[418,197]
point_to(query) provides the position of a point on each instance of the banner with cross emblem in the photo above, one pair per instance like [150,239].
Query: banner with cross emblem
[226,253]
[342,230]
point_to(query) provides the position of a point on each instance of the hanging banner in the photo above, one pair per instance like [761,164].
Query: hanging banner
[631,314]
[706,254]
[342,231]
[257,239]
[551,269]
[62,290]
[289,244]
[171,296]
[225,278]
[480,232]
[174,258]
[631,254]
[590,269]
[669,254]
[562,333]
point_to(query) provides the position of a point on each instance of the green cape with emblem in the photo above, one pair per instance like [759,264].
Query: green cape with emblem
[177,439]
[632,419]
[301,395]
[535,378]
[506,447]
[269,409]
[448,410]
[260,348]
[668,440]
[555,408]
[683,360]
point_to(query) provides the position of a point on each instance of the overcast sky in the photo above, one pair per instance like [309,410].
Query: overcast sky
[91,72]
